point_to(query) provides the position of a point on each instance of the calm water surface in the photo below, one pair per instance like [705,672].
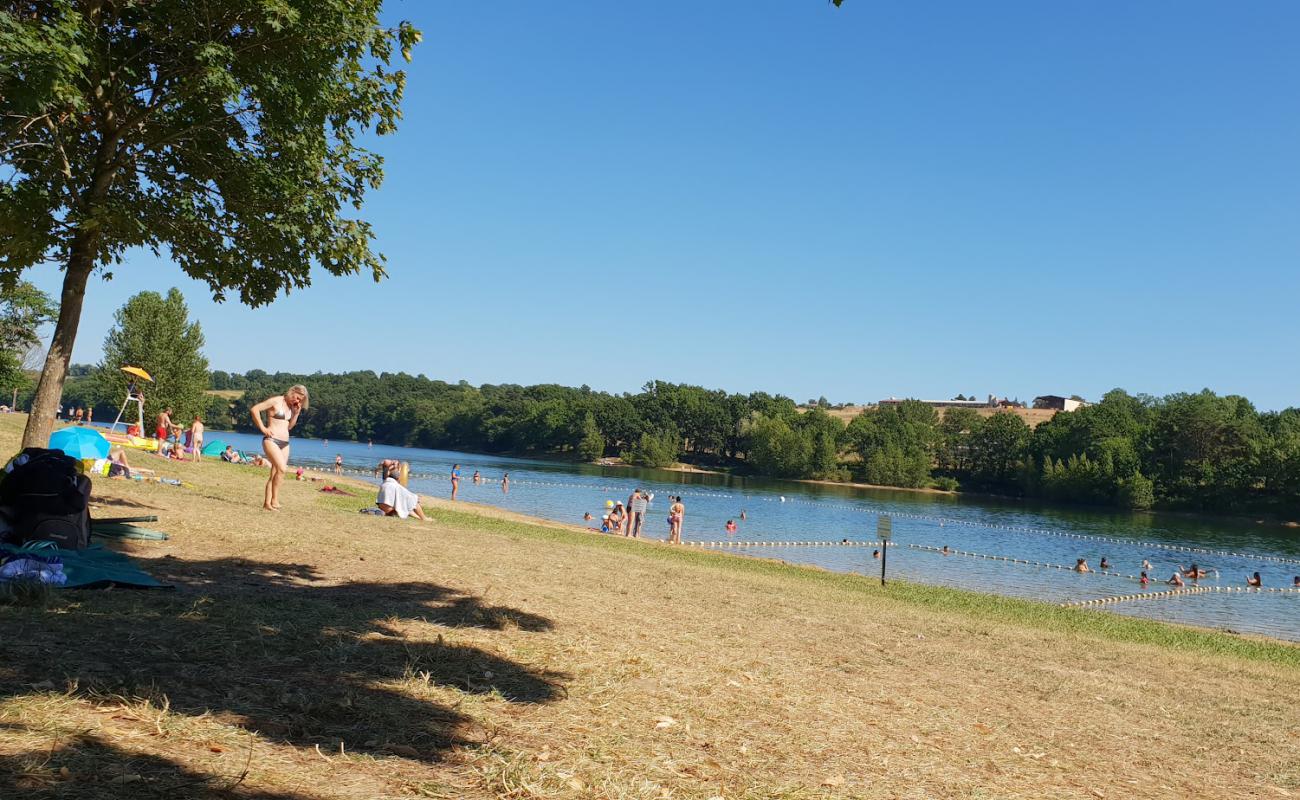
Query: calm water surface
[987,527]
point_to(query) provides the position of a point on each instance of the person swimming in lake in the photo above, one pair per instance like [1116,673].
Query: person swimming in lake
[1104,563]
[1255,581]
[281,416]
[1194,572]
[1296,582]
[505,483]
[875,554]
[477,478]
[1146,565]
[945,551]
[1081,565]
[455,480]
[731,526]
[742,515]
[587,517]
[1176,580]
[1144,580]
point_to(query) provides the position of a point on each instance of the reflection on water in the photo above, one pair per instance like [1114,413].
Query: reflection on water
[783,511]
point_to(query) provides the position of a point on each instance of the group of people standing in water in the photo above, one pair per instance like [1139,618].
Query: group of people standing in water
[1181,574]
[629,519]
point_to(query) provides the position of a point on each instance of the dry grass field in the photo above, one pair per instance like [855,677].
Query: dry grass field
[1033,417]
[319,653]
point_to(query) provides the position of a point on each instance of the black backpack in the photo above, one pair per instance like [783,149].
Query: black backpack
[47,499]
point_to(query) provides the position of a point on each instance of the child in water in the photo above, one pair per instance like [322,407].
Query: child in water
[1254,580]
[731,526]
[1144,580]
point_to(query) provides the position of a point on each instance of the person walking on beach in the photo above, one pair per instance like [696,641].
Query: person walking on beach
[338,464]
[676,513]
[636,508]
[196,438]
[163,425]
[281,416]
[455,480]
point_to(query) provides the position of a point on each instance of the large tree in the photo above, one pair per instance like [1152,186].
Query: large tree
[223,134]
[155,333]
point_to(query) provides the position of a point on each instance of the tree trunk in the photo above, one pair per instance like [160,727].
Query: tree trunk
[49,391]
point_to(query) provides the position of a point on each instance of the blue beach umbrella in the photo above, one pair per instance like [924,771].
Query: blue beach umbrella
[80,442]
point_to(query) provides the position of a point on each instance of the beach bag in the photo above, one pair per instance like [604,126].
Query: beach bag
[69,530]
[42,480]
[47,497]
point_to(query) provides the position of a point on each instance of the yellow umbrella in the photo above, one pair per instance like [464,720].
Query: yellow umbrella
[139,373]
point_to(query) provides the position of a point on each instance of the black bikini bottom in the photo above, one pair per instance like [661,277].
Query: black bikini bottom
[283,443]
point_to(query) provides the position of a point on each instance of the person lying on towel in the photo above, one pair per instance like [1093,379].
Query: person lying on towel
[395,500]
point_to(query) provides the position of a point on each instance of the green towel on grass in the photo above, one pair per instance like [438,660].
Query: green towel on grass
[97,568]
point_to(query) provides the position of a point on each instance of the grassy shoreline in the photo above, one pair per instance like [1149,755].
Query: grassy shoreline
[321,653]
[1034,613]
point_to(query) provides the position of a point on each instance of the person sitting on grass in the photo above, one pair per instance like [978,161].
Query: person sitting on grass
[118,467]
[230,455]
[395,500]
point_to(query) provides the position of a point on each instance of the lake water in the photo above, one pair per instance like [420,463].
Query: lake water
[982,531]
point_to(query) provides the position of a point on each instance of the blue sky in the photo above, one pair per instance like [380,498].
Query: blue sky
[888,199]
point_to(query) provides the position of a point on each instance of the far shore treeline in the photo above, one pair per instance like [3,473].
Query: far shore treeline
[1196,451]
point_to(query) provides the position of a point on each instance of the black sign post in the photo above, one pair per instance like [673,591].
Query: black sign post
[884,530]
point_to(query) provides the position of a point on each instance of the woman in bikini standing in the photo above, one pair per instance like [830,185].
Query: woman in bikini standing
[281,415]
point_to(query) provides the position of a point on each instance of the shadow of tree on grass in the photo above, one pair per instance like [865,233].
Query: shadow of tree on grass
[278,651]
[89,768]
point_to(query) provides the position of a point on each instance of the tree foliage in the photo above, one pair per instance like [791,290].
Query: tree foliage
[227,139]
[155,333]
[23,310]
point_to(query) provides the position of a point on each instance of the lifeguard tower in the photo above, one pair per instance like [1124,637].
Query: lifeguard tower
[133,395]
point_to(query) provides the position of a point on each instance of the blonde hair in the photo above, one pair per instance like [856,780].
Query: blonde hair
[301,391]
